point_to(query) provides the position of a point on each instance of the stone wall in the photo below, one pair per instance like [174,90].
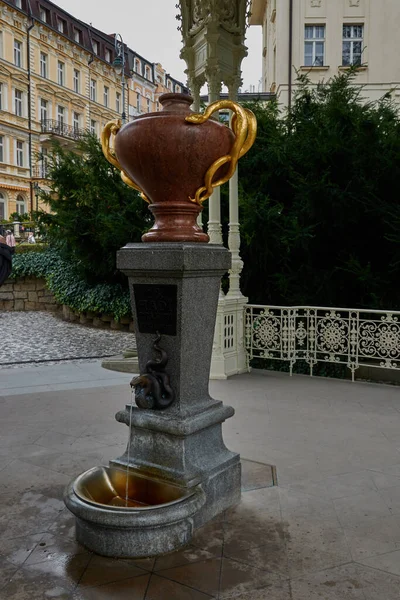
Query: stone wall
[27,293]
[97,320]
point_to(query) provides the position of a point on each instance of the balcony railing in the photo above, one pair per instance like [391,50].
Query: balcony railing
[352,337]
[62,129]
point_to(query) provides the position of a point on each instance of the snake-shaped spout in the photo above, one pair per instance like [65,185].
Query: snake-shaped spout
[152,388]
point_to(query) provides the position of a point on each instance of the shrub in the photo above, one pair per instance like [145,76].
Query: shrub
[70,289]
[320,216]
[18,217]
[93,213]
[26,248]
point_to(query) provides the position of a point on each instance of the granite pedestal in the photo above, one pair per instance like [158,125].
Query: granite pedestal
[183,443]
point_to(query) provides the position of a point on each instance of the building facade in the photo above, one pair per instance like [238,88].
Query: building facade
[57,80]
[147,81]
[324,37]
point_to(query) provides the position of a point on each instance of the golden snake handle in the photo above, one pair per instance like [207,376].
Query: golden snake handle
[244,126]
[111,129]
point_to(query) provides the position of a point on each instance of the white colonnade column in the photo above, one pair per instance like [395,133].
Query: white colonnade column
[214,207]
[234,227]
[235,358]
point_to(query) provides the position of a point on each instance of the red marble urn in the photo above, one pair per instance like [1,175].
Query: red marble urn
[169,159]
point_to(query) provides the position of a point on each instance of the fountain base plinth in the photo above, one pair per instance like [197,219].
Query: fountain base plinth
[185,451]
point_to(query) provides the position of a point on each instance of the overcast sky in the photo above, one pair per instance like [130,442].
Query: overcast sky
[150,28]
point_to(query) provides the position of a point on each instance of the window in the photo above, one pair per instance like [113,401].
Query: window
[78,36]
[43,161]
[1,44]
[138,101]
[118,102]
[18,3]
[1,96]
[2,206]
[314,45]
[43,65]
[93,90]
[20,154]
[1,148]
[148,105]
[61,72]
[77,77]
[43,13]
[44,154]
[352,44]
[169,85]
[106,95]
[60,115]
[178,89]
[17,53]
[138,66]
[95,47]
[21,205]
[148,73]
[62,26]
[43,110]
[18,103]
[76,120]
[107,55]
[93,126]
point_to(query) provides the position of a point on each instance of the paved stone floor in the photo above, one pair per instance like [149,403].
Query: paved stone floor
[40,336]
[329,531]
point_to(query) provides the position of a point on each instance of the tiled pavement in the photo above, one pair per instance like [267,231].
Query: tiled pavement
[330,530]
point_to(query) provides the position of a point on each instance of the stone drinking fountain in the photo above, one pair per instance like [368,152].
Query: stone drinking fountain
[176,473]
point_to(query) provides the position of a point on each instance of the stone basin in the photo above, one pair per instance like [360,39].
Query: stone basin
[122,488]
[157,518]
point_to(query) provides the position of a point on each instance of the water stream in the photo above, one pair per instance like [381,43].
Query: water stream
[129,448]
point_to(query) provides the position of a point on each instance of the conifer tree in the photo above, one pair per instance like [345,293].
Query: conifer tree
[92,212]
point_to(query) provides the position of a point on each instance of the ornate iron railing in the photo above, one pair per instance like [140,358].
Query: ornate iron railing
[61,129]
[313,334]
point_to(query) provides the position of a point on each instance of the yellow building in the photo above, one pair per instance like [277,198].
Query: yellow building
[57,80]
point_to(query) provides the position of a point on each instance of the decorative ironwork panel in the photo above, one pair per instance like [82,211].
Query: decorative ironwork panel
[324,335]
[267,334]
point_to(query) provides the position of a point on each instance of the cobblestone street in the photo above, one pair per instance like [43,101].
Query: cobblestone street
[36,337]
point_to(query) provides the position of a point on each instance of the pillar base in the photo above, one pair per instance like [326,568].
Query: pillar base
[229,353]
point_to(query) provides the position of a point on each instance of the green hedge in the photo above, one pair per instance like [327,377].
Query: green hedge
[25,248]
[68,288]
[319,201]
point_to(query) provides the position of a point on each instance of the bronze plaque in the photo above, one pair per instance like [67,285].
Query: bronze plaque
[156,308]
